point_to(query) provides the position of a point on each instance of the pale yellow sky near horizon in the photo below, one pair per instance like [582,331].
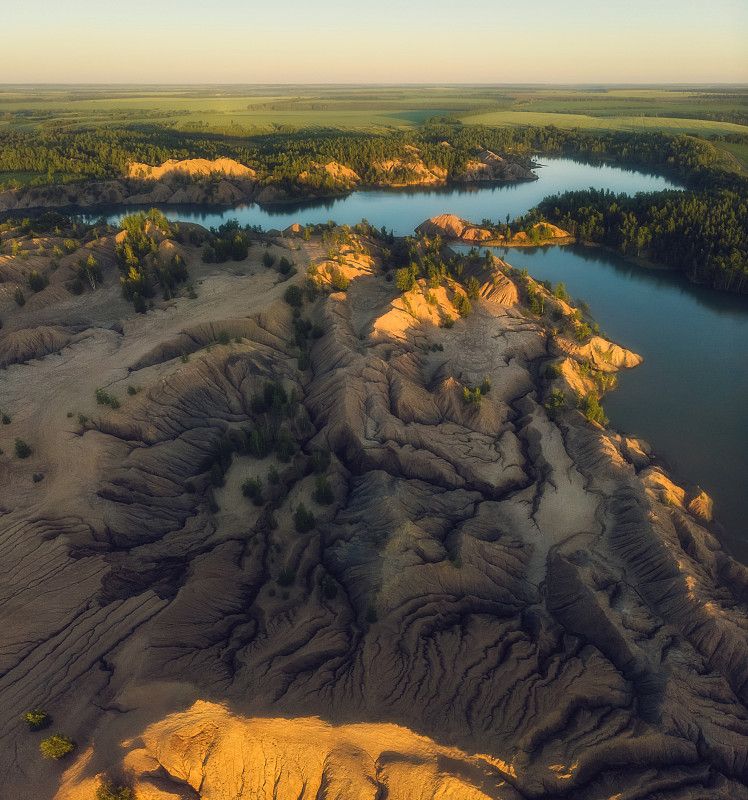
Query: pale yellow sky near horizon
[292,42]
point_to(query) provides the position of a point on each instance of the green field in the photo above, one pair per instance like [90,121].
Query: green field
[736,155]
[612,123]
[259,109]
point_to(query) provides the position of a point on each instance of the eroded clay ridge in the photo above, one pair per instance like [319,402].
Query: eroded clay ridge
[226,182]
[495,597]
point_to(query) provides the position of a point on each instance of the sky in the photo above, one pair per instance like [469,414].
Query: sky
[390,41]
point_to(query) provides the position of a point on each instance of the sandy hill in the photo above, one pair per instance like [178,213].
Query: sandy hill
[495,598]
[192,167]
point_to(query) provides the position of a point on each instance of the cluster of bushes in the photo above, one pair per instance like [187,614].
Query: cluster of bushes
[588,404]
[138,259]
[474,396]
[103,398]
[228,241]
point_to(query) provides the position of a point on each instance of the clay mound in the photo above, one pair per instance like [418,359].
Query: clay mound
[339,175]
[451,227]
[19,346]
[488,166]
[192,167]
[304,759]
[603,355]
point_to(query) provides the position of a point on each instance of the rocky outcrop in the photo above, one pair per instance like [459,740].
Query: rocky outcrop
[448,226]
[191,167]
[489,166]
[493,600]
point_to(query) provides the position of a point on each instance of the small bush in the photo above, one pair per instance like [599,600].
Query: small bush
[22,450]
[284,447]
[556,402]
[553,371]
[339,282]
[38,477]
[294,296]
[37,281]
[103,398]
[273,476]
[303,520]
[252,488]
[323,493]
[111,791]
[6,419]
[268,259]
[319,461]
[284,266]
[19,297]
[224,338]
[448,322]
[36,719]
[57,746]
[591,409]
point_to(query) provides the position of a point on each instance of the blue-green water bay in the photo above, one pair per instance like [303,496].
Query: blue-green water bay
[401,210]
[687,398]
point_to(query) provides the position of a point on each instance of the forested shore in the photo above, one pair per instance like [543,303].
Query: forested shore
[701,230]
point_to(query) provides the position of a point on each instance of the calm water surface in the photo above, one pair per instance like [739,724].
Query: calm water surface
[687,398]
[402,210]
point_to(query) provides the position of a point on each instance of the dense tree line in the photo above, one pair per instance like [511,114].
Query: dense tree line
[701,230]
[703,233]
[63,154]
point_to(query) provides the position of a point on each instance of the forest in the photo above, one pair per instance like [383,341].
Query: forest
[702,230]
[703,233]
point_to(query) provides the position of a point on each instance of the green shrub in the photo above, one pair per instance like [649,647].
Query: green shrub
[448,322]
[37,281]
[252,488]
[57,746]
[224,338]
[19,297]
[339,282]
[38,477]
[556,402]
[323,493]
[6,419]
[36,719]
[485,386]
[589,406]
[284,447]
[319,461]
[303,520]
[103,398]
[553,371]
[284,266]
[268,259]
[111,791]
[273,476]
[22,450]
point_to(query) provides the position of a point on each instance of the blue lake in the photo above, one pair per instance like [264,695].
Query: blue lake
[686,399]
